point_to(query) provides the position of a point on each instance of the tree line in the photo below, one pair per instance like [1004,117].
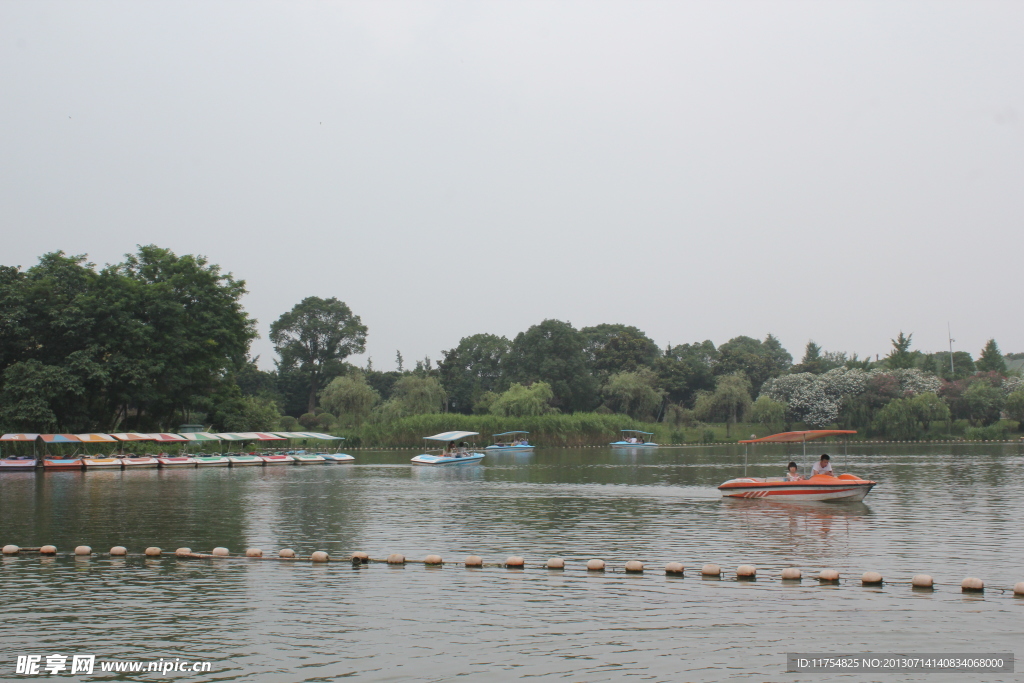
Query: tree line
[161,340]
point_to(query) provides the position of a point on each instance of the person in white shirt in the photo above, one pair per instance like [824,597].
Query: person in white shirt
[823,466]
[794,473]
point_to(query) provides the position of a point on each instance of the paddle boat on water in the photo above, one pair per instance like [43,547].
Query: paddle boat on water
[138,461]
[819,487]
[304,458]
[634,438]
[515,442]
[18,463]
[211,460]
[244,460]
[101,462]
[170,461]
[455,453]
[276,459]
[337,458]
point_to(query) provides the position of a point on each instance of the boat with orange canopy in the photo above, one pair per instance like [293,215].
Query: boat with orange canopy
[819,487]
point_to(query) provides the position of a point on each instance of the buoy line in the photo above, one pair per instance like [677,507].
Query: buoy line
[596,566]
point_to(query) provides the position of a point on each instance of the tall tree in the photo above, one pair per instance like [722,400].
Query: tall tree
[316,337]
[991,359]
[473,368]
[758,360]
[552,352]
[617,348]
[901,357]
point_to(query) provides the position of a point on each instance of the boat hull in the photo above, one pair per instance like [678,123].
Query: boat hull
[244,461]
[338,458]
[509,449]
[101,463]
[845,487]
[428,459]
[58,464]
[146,463]
[276,459]
[309,459]
[176,462]
[626,444]
[212,462]
[17,465]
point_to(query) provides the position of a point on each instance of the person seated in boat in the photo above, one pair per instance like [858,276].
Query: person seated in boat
[823,466]
[793,474]
[450,449]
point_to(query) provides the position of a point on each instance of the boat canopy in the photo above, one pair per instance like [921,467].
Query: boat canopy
[176,438]
[133,436]
[60,438]
[230,436]
[450,436]
[509,433]
[637,431]
[19,437]
[798,437]
[195,436]
[308,435]
[96,438]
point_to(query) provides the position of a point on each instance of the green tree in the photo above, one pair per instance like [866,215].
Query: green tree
[812,360]
[553,352]
[771,414]
[1015,406]
[900,357]
[983,402]
[634,394]
[685,369]
[759,361]
[991,359]
[350,398]
[473,368]
[729,402]
[249,414]
[612,348]
[414,395]
[928,408]
[316,336]
[522,401]
[897,419]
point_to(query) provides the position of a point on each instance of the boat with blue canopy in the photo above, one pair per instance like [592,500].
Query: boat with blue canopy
[634,438]
[510,441]
[456,452]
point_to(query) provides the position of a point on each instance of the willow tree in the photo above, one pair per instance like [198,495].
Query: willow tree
[316,337]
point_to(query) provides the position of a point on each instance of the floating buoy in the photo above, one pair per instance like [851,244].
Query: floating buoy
[221,552]
[791,574]
[286,552]
[972,585]
[556,563]
[635,567]
[871,579]
[254,552]
[183,552]
[711,569]
[674,568]
[319,556]
[828,575]
[922,581]
[117,551]
[595,565]
[361,556]
[1018,589]
[514,562]
[396,558]
[48,550]
[474,561]
[746,571]
[11,550]
[433,560]
[83,550]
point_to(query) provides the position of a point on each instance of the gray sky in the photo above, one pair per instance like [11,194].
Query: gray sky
[829,170]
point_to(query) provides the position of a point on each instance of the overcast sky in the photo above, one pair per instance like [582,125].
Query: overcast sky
[836,171]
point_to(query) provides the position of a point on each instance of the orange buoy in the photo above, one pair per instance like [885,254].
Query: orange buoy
[1018,589]
[746,571]
[48,550]
[83,550]
[11,550]
[152,551]
[286,553]
[183,552]
[118,551]
[361,556]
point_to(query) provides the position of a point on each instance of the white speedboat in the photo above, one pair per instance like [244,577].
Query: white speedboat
[455,453]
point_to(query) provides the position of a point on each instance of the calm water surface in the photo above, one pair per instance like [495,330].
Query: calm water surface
[950,511]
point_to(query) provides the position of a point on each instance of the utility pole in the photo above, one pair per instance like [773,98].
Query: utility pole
[951,340]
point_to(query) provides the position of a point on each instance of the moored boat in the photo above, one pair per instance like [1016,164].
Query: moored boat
[167,461]
[455,453]
[245,460]
[18,463]
[303,458]
[99,462]
[136,461]
[510,441]
[56,463]
[338,458]
[276,459]
[211,461]
[638,440]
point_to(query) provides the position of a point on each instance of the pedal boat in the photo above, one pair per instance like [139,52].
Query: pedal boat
[337,458]
[139,462]
[51,464]
[242,460]
[845,487]
[624,442]
[457,457]
[18,463]
[211,461]
[176,461]
[100,462]
[308,458]
[516,443]
[276,459]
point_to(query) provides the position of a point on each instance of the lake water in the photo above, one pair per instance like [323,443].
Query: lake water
[950,511]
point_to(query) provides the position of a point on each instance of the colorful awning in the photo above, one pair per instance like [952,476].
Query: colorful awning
[132,436]
[798,437]
[19,437]
[96,438]
[268,436]
[197,436]
[60,438]
[168,438]
[232,437]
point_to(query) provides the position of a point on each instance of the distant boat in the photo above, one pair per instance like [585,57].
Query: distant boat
[338,458]
[175,461]
[276,459]
[211,461]
[244,460]
[139,462]
[637,439]
[452,454]
[304,458]
[97,462]
[516,442]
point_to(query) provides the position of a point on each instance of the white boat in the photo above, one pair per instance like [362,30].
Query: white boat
[453,454]
[243,460]
[338,458]
[176,461]
[304,458]
[99,462]
[211,461]
[276,459]
[637,441]
[515,443]
[138,462]
[847,487]
[18,463]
